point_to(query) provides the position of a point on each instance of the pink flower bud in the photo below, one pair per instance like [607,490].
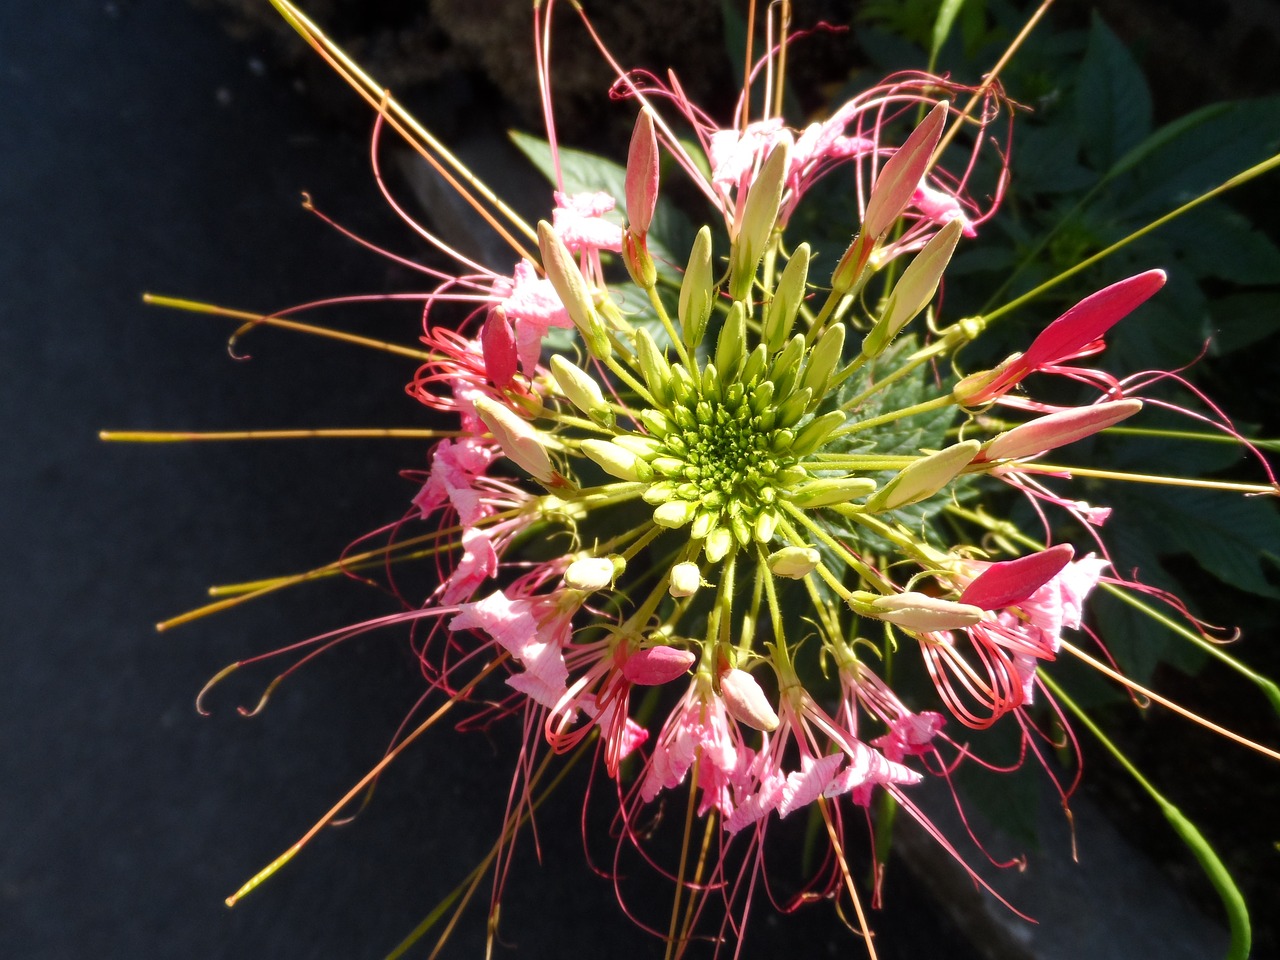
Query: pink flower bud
[1057,430]
[642,174]
[1012,581]
[498,344]
[745,701]
[1072,332]
[902,173]
[654,666]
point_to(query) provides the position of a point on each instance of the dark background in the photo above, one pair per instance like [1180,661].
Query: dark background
[141,149]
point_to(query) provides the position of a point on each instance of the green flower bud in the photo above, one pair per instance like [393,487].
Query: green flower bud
[759,214]
[696,292]
[925,477]
[571,288]
[780,316]
[794,563]
[914,290]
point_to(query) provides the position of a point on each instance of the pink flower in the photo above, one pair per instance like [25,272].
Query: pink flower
[531,306]
[1029,601]
[698,725]
[534,630]
[579,221]
[455,468]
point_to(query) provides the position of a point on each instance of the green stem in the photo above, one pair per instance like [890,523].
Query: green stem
[1214,869]
[1231,183]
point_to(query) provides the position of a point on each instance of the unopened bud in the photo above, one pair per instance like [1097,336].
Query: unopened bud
[923,478]
[718,544]
[641,191]
[686,578]
[617,461]
[654,666]
[923,613]
[824,356]
[914,290]
[592,573]
[902,173]
[639,263]
[758,217]
[581,389]
[732,339]
[1058,429]
[828,491]
[794,563]
[696,291]
[787,297]
[571,288]
[674,513]
[816,432]
[653,366]
[520,440]
[745,700]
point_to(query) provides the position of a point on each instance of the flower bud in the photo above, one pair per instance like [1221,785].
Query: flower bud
[745,700]
[654,666]
[591,573]
[1058,429]
[646,448]
[923,613]
[902,173]
[823,358]
[914,290]
[1010,582]
[827,491]
[636,257]
[794,563]
[617,461]
[641,189]
[674,513]
[519,439]
[780,317]
[816,432]
[718,544]
[925,477]
[686,578]
[732,339]
[759,214]
[851,269]
[696,291]
[571,288]
[653,366]
[581,389]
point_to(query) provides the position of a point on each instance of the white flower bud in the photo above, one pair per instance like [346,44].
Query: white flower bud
[794,563]
[745,700]
[686,578]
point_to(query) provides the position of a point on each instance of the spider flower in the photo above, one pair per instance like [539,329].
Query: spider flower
[713,485]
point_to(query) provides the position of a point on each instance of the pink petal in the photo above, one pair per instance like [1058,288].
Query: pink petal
[1008,582]
[654,666]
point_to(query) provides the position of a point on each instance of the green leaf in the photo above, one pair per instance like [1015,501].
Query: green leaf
[1217,241]
[1199,152]
[670,234]
[1113,102]
[1228,535]
[942,28]
[1243,319]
